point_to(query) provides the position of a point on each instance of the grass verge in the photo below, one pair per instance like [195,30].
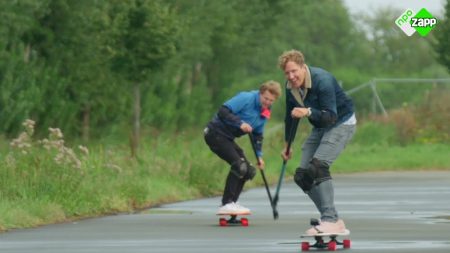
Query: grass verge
[46,182]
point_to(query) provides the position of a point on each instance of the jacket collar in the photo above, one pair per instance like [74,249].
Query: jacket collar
[308,82]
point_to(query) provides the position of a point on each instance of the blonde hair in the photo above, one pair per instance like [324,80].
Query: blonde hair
[291,55]
[272,86]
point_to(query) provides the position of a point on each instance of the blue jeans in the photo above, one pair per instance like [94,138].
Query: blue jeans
[325,145]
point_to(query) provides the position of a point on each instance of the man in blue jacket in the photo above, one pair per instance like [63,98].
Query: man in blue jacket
[314,93]
[245,113]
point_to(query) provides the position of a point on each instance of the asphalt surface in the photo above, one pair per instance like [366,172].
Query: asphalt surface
[385,212]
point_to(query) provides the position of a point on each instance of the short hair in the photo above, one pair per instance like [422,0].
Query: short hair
[291,55]
[272,86]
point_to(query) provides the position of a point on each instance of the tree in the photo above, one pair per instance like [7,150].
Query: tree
[64,41]
[70,37]
[443,36]
[22,74]
[144,35]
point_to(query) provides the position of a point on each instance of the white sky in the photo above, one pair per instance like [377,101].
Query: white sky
[435,7]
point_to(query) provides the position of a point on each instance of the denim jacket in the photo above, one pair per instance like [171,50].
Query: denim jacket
[329,104]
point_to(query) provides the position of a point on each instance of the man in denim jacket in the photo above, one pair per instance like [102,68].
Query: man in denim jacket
[314,93]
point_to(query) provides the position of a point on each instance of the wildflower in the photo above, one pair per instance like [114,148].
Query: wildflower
[29,126]
[55,133]
[83,149]
[22,142]
[45,143]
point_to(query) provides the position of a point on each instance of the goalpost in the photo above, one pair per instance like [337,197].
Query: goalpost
[372,84]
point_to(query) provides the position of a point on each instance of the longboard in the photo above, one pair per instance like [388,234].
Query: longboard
[331,244]
[233,220]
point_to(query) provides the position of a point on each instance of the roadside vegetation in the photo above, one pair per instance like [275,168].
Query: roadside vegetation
[45,181]
[103,103]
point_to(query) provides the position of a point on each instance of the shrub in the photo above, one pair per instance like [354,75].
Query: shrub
[428,122]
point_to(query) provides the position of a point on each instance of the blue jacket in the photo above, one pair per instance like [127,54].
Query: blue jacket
[329,104]
[245,107]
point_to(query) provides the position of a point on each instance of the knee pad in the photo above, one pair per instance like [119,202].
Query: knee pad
[251,172]
[316,173]
[304,179]
[320,171]
[242,169]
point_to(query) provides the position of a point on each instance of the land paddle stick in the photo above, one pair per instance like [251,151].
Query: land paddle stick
[274,209]
[283,167]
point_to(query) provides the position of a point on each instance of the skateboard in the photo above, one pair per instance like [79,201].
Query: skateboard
[330,245]
[233,220]
[320,243]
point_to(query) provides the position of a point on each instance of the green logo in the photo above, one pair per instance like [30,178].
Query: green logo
[410,22]
[423,22]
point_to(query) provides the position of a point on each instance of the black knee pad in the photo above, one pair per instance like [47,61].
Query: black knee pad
[316,173]
[304,179]
[240,168]
[319,170]
[251,172]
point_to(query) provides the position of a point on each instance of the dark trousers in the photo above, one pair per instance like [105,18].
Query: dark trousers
[230,152]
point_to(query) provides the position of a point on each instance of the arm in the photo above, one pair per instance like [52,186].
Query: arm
[229,118]
[257,140]
[226,116]
[288,125]
[288,120]
[327,114]
[234,107]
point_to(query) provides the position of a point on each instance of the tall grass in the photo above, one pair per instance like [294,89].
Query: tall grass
[44,181]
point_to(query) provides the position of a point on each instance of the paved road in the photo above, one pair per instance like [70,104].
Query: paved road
[386,212]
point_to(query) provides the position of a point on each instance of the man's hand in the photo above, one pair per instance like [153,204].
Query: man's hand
[300,112]
[286,155]
[261,163]
[246,128]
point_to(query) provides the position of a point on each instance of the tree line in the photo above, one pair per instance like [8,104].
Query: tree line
[95,68]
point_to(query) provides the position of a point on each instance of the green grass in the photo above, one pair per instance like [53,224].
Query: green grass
[358,158]
[36,190]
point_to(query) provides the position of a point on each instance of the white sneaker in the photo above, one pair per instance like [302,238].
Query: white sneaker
[242,208]
[233,208]
[327,227]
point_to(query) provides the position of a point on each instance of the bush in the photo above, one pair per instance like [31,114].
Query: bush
[427,122]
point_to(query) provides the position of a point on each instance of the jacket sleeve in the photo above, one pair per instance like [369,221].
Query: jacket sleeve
[227,117]
[288,120]
[258,139]
[326,115]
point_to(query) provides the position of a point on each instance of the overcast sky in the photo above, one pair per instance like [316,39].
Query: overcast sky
[435,7]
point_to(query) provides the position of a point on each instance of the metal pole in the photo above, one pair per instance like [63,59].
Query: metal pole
[377,99]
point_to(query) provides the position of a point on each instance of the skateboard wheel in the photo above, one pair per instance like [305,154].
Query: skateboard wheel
[244,222]
[305,246]
[223,222]
[332,246]
[347,243]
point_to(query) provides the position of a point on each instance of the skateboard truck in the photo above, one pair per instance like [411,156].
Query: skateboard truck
[233,220]
[330,245]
